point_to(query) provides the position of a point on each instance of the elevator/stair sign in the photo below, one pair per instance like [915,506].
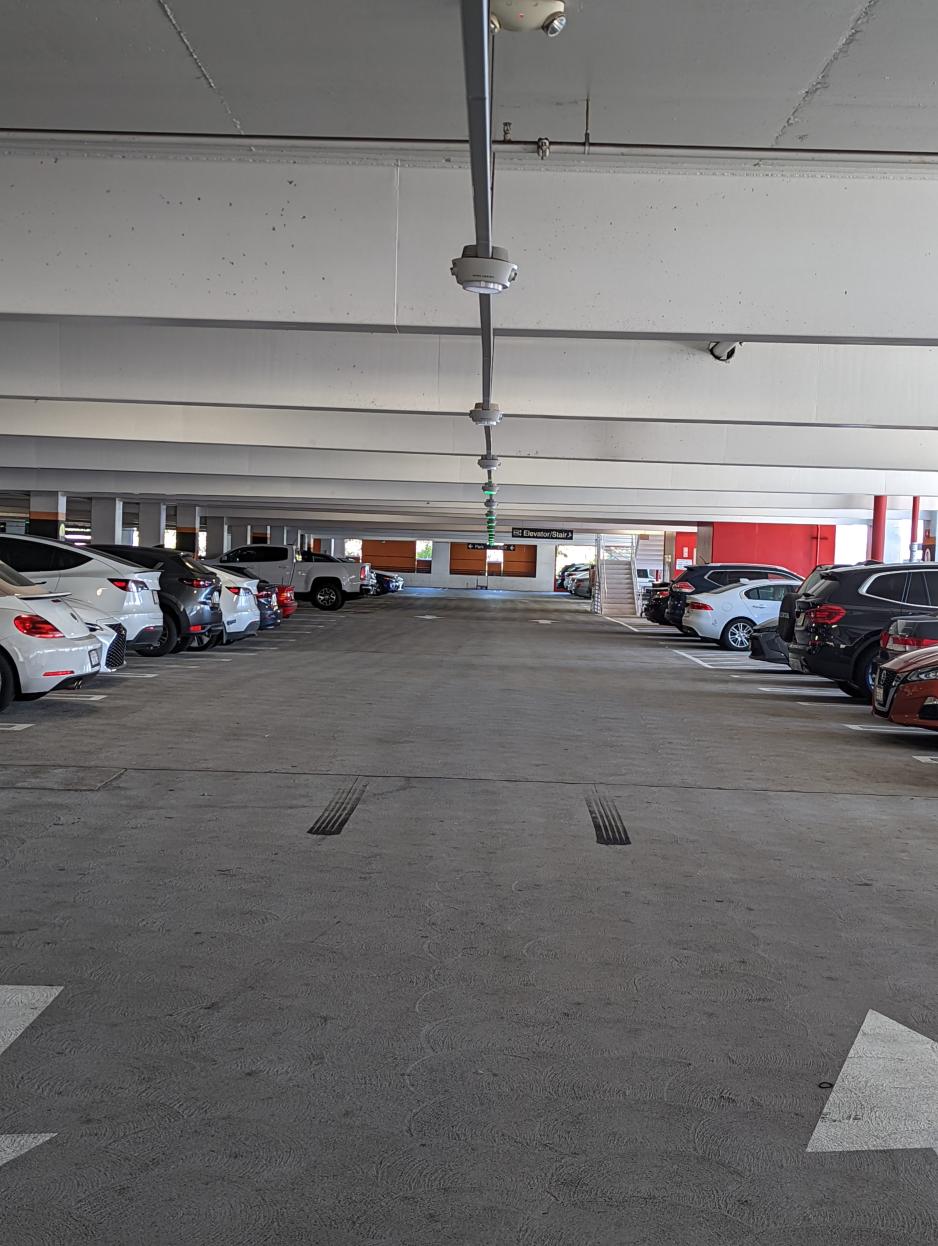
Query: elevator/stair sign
[543,534]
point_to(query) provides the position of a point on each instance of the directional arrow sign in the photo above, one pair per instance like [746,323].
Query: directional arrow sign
[20,1005]
[886,1097]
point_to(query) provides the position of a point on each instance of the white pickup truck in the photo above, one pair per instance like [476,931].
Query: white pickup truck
[325,581]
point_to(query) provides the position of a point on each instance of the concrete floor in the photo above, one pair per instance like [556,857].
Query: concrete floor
[462,1020]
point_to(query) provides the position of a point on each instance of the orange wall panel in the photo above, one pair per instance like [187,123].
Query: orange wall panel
[521,561]
[390,555]
[466,561]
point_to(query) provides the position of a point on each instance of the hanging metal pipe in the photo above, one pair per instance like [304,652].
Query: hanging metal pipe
[476,40]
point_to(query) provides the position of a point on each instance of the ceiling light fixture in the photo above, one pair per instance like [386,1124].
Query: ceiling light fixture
[516,15]
[484,274]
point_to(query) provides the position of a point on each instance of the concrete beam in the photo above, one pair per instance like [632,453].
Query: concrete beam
[720,247]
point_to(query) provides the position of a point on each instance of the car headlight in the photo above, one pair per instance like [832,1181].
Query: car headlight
[930,672]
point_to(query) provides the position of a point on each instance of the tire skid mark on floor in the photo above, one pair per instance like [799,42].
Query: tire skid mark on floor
[334,817]
[607,821]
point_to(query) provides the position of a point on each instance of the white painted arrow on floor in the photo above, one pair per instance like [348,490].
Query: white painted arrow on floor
[886,1097]
[19,1007]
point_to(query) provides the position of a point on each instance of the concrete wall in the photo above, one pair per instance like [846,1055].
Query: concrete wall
[439,576]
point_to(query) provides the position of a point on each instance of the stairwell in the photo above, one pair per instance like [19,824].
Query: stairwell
[618,589]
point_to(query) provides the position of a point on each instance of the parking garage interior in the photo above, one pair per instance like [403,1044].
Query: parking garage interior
[460,865]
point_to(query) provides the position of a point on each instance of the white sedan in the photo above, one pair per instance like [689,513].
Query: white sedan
[729,614]
[241,614]
[43,643]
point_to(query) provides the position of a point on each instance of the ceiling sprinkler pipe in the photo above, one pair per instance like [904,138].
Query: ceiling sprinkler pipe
[723,352]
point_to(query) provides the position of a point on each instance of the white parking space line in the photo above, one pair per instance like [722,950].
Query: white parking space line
[690,657]
[76,696]
[883,730]
[16,726]
[929,761]
[806,692]
[134,675]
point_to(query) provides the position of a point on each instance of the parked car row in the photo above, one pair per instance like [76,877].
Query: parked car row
[723,602]
[68,613]
[576,578]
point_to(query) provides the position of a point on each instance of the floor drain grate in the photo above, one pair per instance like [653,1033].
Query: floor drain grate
[336,814]
[607,821]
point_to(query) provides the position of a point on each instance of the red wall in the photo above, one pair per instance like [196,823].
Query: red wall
[685,541]
[799,547]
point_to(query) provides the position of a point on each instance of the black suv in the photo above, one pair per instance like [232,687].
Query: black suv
[839,613]
[190,594]
[710,575]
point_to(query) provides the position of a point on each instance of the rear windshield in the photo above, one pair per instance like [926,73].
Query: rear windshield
[198,567]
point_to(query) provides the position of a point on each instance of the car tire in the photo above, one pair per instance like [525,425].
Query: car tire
[850,689]
[327,595]
[737,635]
[183,643]
[865,671]
[201,640]
[167,641]
[7,683]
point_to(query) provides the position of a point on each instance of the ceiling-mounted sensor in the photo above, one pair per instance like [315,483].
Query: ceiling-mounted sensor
[547,15]
[489,275]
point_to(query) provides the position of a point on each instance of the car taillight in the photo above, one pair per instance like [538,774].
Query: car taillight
[130,586]
[235,592]
[361,574]
[884,640]
[698,605]
[683,586]
[33,625]
[906,642]
[198,583]
[824,614]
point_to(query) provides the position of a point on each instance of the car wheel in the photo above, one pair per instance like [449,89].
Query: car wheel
[7,682]
[184,643]
[167,642]
[865,672]
[851,689]
[328,595]
[737,635]
[201,640]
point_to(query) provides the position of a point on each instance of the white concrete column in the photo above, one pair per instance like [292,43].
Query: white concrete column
[291,536]
[239,534]
[216,531]
[107,520]
[47,514]
[277,534]
[188,519]
[327,545]
[151,526]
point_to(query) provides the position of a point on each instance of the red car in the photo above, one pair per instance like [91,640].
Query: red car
[906,689]
[286,599]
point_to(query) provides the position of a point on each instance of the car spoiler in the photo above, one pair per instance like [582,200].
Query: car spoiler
[33,592]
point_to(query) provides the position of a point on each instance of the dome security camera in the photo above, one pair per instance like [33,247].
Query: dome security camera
[518,15]
[484,275]
[723,352]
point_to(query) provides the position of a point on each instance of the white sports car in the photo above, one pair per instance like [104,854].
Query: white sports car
[43,643]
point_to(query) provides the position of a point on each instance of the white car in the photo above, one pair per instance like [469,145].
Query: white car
[110,632]
[729,614]
[43,643]
[121,590]
[241,614]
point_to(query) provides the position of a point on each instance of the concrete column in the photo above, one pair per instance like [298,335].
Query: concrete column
[187,528]
[216,530]
[239,534]
[914,553]
[260,534]
[291,536]
[47,514]
[878,530]
[151,527]
[277,534]
[327,545]
[107,520]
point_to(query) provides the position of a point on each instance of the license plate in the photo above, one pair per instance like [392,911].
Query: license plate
[879,696]
[95,659]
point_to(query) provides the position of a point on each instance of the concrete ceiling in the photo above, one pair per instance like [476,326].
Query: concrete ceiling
[268,328]
[714,72]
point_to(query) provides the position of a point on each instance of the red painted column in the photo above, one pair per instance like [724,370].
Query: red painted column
[878,534]
[916,504]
